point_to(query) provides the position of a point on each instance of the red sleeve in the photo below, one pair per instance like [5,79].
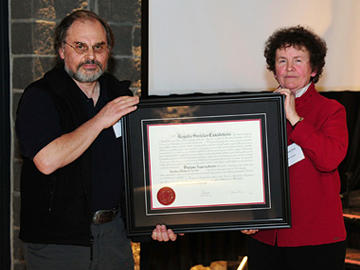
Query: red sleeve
[325,143]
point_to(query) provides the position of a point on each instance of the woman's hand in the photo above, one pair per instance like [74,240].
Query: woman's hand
[249,232]
[161,234]
[290,111]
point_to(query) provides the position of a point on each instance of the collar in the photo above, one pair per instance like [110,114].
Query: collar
[301,91]
[307,98]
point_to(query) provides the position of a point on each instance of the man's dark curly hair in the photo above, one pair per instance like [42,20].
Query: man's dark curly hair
[64,25]
[298,37]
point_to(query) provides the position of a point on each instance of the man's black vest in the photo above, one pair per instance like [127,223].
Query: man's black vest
[55,208]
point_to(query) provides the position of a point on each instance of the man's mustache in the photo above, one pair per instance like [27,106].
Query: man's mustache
[91,62]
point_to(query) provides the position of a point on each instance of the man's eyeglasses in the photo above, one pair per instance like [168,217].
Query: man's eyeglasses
[83,48]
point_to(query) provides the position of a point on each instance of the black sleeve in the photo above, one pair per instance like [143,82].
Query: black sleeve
[37,121]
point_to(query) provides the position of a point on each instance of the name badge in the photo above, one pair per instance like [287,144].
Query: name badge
[117,128]
[295,154]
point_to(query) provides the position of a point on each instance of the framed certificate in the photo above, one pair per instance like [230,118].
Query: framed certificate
[206,163]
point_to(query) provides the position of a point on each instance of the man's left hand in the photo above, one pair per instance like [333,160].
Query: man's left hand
[162,234]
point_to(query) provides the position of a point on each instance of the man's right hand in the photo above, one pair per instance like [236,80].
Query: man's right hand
[115,109]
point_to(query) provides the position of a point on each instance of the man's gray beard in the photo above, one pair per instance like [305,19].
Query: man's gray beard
[82,77]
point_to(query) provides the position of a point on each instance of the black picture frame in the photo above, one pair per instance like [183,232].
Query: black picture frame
[218,109]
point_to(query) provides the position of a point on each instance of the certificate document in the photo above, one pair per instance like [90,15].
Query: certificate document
[205,163]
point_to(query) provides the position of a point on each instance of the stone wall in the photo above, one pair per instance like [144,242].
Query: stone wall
[32,23]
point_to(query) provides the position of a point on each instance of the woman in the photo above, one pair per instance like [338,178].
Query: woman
[317,125]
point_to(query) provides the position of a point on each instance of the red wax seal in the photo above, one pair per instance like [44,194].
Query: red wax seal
[166,195]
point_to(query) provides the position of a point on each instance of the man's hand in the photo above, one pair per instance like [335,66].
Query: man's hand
[115,109]
[161,234]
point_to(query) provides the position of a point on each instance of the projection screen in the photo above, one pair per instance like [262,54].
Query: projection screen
[212,46]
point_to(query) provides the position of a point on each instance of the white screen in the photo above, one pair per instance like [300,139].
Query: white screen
[214,46]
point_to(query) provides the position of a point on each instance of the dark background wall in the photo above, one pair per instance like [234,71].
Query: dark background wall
[4,139]
[32,23]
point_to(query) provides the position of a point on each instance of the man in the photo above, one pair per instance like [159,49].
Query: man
[71,181]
